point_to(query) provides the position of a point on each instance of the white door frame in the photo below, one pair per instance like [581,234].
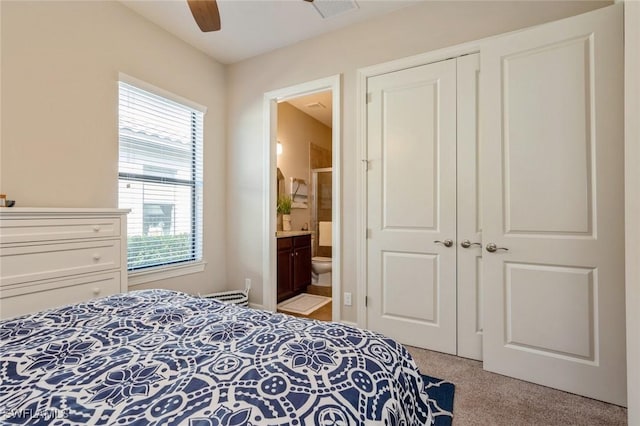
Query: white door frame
[632,196]
[361,137]
[269,250]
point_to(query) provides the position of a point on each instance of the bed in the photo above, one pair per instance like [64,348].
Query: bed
[156,357]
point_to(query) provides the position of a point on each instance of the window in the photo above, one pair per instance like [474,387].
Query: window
[160,177]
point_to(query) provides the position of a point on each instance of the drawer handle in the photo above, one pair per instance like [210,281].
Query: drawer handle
[96,228]
[96,257]
[96,291]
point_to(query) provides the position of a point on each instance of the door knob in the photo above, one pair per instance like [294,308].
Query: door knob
[492,248]
[446,243]
[467,244]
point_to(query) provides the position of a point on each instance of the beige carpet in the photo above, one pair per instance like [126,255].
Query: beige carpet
[484,398]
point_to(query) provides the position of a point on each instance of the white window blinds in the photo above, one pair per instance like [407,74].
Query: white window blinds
[160,178]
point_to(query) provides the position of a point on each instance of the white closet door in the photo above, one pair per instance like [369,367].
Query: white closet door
[552,193]
[468,216]
[411,184]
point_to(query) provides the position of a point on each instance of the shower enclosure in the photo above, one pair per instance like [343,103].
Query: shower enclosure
[321,202]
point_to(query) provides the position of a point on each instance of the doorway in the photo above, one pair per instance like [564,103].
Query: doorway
[298,184]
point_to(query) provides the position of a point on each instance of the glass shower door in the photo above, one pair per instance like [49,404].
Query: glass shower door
[321,206]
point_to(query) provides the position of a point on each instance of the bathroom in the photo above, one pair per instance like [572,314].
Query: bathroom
[304,169]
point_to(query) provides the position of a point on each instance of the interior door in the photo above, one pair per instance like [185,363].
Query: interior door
[468,213]
[552,194]
[411,147]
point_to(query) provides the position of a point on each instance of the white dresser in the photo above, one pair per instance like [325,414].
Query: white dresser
[56,256]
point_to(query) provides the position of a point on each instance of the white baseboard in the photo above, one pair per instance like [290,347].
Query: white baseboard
[349,323]
[256,306]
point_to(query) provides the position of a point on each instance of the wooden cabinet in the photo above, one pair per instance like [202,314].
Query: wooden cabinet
[301,263]
[294,265]
[53,257]
[285,267]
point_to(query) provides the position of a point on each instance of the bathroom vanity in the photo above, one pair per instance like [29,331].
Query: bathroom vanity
[294,263]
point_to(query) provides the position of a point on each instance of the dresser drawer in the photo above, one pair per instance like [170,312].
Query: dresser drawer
[32,230]
[34,263]
[52,293]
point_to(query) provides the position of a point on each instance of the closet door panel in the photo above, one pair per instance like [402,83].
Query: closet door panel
[411,136]
[547,116]
[410,156]
[468,213]
[552,185]
[400,273]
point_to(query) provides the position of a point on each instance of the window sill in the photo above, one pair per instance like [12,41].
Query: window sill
[164,272]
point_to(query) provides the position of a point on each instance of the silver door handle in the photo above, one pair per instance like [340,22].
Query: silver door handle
[492,248]
[446,243]
[467,244]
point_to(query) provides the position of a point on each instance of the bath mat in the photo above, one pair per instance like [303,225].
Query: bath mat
[303,304]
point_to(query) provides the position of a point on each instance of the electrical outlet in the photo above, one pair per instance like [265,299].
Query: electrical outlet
[347,299]
[247,283]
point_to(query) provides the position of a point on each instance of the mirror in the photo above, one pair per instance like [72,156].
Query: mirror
[280,180]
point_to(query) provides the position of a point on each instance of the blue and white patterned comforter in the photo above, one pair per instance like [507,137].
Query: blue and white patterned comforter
[161,357]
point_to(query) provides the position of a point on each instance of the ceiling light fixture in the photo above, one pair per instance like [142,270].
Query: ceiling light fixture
[314,105]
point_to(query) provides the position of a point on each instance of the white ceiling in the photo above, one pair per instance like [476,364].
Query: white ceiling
[309,105]
[252,27]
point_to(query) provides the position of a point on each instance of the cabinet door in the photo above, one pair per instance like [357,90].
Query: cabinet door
[285,268]
[301,268]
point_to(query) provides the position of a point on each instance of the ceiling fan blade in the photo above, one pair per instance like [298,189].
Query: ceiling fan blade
[206,14]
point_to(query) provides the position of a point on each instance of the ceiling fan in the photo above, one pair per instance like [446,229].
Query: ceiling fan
[206,14]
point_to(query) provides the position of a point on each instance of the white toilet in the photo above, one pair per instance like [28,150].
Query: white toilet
[321,266]
[321,271]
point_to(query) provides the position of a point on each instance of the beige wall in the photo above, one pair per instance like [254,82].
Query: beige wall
[296,131]
[59,140]
[632,154]
[417,29]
